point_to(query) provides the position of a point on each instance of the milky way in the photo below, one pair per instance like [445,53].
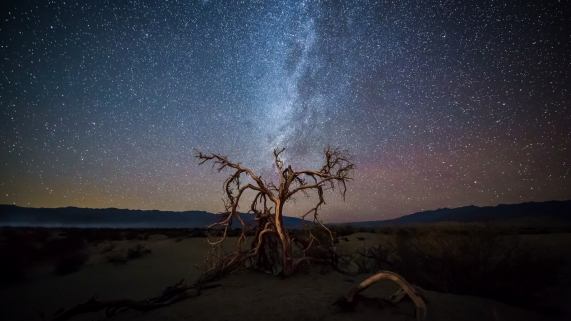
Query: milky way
[440,103]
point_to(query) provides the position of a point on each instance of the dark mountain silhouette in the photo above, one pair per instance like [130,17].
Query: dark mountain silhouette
[551,210]
[11,215]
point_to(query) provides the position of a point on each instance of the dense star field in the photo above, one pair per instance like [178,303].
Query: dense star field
[441,103]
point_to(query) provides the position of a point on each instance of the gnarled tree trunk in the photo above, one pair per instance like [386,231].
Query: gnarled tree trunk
[287,250]
[335,173]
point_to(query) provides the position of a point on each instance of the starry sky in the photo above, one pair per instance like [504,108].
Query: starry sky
[440,103]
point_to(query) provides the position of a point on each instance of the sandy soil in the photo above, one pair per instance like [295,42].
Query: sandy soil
[244,295]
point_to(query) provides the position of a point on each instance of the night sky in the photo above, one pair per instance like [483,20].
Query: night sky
[440,103]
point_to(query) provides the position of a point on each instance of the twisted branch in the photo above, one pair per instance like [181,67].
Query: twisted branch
[335,172]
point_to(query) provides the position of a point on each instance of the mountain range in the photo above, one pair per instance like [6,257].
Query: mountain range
[12,215]
[536,212]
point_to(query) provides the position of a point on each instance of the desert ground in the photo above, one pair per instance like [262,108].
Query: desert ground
[247,294]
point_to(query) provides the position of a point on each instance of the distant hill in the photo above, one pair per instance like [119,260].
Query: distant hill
[551,211]
[11,215]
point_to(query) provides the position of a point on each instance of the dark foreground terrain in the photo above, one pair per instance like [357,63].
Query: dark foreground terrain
[476,271]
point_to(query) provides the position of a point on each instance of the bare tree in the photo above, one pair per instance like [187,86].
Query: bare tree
[271,238]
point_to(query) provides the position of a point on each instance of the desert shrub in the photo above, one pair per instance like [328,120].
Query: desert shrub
[342,230]
[322,236]
[25,243]
[122,257]
[137,251]
[61,246]
[143,236]
[24,248]
[70,262]
[116,257]
[385,230]
[198,233]
[67,250]
[107,247]
[15,257]
[374,259]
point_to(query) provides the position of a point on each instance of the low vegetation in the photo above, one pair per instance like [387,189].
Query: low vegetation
[473,259]
[342,230]
[485,260]
[70,262]
[122,257]
[22,249]
[66,249]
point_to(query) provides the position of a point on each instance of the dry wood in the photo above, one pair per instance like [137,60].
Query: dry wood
[400,294]
[271,237]
[409,289]
[170,295]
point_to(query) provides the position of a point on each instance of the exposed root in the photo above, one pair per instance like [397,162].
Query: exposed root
[400,294]
[271,249]
[353,297]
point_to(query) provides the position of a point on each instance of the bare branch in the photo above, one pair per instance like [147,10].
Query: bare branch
[409,289]
[336,172]
[221,162]
[270,229]
[169,296]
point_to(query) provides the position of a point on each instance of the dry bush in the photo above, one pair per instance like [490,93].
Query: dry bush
[68,252]
[137,251]
[197,232]
[374,259]
[342,230]
[122,257]
[217,264]
[385,230]
[70,262]
[322,236]
[107,247]
[58,247]
[17,253]
[116,257]
[24,248]
[177,233]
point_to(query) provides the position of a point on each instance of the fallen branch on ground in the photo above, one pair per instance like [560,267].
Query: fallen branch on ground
[353,297]
[169,296]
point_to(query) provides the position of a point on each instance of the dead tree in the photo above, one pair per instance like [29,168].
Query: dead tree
[271,236]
